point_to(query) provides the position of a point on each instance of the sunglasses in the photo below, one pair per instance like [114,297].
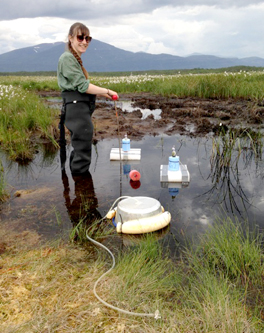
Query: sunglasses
[80,38]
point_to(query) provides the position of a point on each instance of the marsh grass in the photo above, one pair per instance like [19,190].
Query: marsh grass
[144,273]
[237,84]
[228,145]
[31,83]
[217,286]
[24,122]
[230,249]
[230,149]
[88,222]
[214,287]
[248,85]
[3,191]
[230,255]
[95,229]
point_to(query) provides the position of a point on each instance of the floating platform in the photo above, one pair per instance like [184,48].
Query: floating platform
[139,215]
[181,175]
[171,185]
[132,154]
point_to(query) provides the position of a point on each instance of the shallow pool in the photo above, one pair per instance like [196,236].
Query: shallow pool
[52,201]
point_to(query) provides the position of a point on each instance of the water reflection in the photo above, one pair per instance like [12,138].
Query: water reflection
[231,152]
[127,106]
[235,188]
[84,204]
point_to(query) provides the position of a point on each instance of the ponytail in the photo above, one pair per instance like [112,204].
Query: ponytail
[78,58]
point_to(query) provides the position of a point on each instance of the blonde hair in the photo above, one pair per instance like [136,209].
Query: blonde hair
[74,29]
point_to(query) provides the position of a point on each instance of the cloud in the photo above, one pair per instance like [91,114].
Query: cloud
[90,9]
[185,30]
[140,26]
[20,33]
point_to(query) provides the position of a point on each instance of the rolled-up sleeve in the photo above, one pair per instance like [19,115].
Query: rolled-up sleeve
[70,74]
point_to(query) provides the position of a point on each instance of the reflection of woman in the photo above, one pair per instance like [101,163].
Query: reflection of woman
[78,97]
[84,205]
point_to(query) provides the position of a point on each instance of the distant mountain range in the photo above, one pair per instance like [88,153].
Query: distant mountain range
[103,57]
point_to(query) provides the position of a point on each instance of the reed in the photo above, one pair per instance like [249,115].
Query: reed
[230,149]
[230,249]
[3,192]
[24,122]
[229,260]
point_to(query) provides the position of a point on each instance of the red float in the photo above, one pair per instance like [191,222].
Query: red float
[134,175]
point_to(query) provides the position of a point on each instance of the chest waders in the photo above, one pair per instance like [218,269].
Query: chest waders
[77,110]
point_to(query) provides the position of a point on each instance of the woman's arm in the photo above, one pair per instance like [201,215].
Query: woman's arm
[95,90]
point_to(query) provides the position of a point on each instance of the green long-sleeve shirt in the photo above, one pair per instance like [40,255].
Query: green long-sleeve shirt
[70,75]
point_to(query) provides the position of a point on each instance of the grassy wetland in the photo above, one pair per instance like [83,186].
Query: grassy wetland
[26,121]
[215,286]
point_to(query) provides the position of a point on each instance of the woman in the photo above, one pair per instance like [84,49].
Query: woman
[79,97]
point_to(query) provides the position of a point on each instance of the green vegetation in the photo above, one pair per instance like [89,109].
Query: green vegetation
[3,192]
[215,286]
[31,83]
[24,122]
[218,286]
[221,86]
[232,69]
[228,146]
[223,83]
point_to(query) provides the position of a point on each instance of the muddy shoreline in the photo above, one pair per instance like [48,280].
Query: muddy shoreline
[188,116]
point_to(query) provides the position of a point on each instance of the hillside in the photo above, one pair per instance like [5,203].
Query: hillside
[103,57]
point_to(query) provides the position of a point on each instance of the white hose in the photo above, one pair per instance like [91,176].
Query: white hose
[123,197]
[156,315]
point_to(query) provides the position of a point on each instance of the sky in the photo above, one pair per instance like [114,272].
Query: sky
[226,28]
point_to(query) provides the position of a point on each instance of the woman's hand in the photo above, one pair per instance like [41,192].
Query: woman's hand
[112,93]
[104,92]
